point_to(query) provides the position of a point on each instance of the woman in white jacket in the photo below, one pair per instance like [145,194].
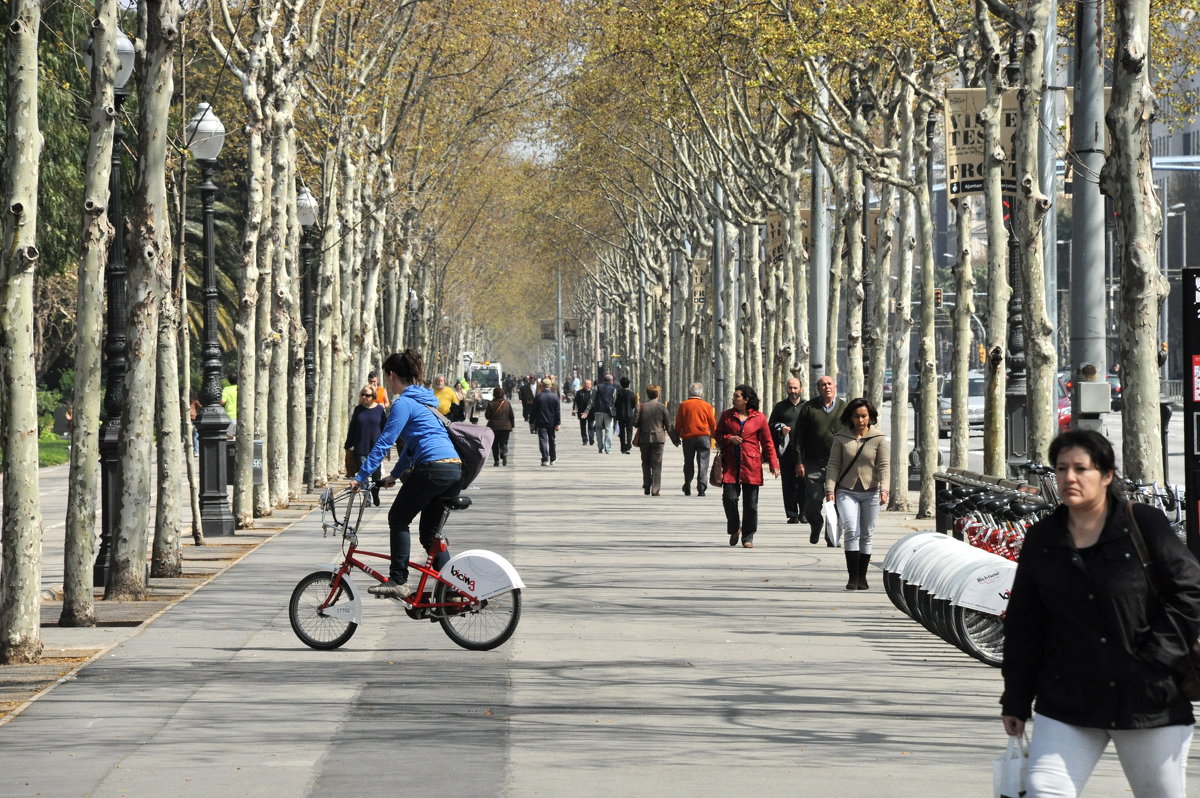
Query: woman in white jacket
[857,478]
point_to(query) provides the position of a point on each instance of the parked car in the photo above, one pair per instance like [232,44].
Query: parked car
[887,385]
[1063,395]
[975,403]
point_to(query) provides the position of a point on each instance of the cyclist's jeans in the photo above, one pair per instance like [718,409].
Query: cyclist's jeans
[1062,757]
[857,511]
[425,483]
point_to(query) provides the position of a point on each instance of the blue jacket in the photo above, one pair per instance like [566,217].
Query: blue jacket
[413,418]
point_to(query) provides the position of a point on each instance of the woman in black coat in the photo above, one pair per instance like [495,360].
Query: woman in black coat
[1092,641]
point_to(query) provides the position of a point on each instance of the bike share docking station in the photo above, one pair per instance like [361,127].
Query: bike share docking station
[1190,314]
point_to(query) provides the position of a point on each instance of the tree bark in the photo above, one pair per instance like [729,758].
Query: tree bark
[149,278]
[964,308]
[80,542]
[20,586]
[1032,204]
[994,423]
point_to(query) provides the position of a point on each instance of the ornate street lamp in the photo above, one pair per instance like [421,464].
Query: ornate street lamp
[1016,442]
[205,137]
[115,324]
[306,214]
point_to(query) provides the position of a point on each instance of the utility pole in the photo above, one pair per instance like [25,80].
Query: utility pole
[558,332]
[1088,261]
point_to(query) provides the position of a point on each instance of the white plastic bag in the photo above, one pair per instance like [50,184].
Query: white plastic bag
[1011,769]
[833,530]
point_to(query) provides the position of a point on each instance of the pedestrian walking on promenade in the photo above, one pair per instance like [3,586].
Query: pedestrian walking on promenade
[601,408]
[380,392]
[1103,611]
[546,417]
[650,428]
[446,395]
[817,422]
[579,406]
[745,441]
[366,425]
[782,421]
[626,404]
[857,478]
[428,464]
[500,417]
[527,394]
[695,423]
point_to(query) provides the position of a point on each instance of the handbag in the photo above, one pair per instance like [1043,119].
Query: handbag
[718,469]
[1189,679]
[637,438]
[1010,770]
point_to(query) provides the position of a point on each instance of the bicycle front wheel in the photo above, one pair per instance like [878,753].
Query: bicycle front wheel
[478,626]
[311,624]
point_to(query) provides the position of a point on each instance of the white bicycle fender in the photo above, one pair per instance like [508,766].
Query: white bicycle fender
[345,610]
[481,574]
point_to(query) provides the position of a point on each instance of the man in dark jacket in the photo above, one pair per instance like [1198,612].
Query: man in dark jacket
[579,405]
[547,418]
[526,394]
[817,421]
[626,407]
[782,421]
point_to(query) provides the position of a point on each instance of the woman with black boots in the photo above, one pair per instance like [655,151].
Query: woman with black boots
[857,478]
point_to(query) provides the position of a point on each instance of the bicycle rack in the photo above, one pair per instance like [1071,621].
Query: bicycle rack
[956,581]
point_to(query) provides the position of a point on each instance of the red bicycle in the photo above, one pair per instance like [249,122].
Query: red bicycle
[476,596]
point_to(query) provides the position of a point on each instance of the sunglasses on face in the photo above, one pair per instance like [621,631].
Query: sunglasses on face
[366,395]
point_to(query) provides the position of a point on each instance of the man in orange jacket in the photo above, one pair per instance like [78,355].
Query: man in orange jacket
[695,422]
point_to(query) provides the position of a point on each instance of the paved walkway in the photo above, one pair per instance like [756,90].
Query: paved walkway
[651,660]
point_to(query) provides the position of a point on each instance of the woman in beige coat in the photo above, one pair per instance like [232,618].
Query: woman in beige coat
[651,422]
[857,479]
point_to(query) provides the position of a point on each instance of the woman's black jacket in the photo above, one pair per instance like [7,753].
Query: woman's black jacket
[1085,633]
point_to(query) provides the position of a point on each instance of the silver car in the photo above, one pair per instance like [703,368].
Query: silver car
[975,401]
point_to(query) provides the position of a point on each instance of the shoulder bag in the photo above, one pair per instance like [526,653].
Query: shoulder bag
[1189,678]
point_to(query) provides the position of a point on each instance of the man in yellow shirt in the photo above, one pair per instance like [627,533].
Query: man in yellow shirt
[444,393]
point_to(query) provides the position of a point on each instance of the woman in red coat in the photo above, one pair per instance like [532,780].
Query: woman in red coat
[744,438]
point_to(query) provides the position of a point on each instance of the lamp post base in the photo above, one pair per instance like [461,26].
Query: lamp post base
[110,497]
[216,517]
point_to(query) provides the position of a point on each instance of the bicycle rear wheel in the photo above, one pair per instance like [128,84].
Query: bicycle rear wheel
[980,634]
[478,626]
[310,623]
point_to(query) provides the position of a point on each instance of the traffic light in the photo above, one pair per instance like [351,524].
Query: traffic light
[937,297]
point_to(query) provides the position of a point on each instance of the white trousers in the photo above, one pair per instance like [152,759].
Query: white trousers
[1062,757]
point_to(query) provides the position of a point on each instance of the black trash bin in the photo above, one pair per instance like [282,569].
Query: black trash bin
[256,465]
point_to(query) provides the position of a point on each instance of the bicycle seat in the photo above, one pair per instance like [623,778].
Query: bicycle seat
[457,503]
